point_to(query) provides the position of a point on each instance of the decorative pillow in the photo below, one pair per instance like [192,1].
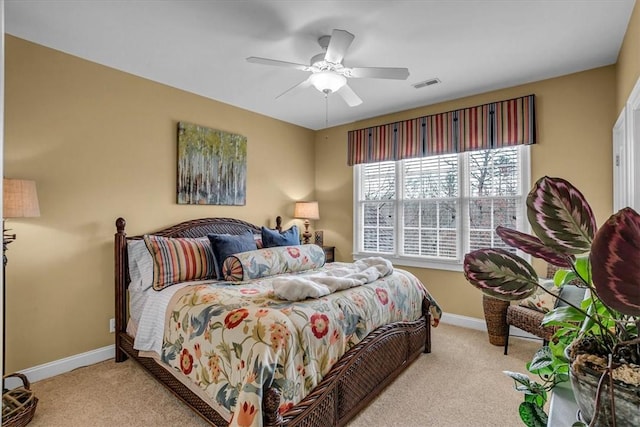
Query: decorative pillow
[272,238]
[227,244]
[540,300]
[140,265]
[271,261]
[177,260]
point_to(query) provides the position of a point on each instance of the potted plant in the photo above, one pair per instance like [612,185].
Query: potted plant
[601,334]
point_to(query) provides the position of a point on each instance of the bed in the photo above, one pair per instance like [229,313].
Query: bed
[345,385]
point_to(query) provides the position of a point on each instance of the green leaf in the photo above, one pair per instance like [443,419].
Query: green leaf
[562,277]
[518,377]
[542,359]
[185,323]
[225,351]
[560,216]
[533,246]
[204,374]
[562,315]
[500,274]
[532,415]
[237,349]
[258,332]
[583,267]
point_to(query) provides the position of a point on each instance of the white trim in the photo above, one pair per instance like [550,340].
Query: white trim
[406,261]
[70,363]
[397,257]
[480,325]
[463,321]
[626,153]
[633,145]
[620,163]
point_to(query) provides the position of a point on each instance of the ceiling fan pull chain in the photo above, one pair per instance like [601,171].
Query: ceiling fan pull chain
[326,110]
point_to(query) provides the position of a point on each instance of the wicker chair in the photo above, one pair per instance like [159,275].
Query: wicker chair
[531,320]
[500,315]
[528,320]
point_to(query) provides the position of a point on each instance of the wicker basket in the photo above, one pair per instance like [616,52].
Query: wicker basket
[495,314]
[18,404]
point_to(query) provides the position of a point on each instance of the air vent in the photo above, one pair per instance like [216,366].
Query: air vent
[425,83]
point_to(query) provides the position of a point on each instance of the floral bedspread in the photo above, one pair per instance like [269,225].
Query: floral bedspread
[234,339]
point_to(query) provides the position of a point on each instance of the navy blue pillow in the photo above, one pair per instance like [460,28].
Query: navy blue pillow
[271,238]
[228,244]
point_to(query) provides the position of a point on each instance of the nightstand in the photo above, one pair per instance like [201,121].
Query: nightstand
[329,253]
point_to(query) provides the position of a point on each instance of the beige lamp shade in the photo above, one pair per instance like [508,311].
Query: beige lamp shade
[20,199]
[306,210]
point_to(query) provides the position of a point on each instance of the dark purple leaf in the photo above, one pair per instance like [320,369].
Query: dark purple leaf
[533,246]
[615,262]
[560,216]
[500,274]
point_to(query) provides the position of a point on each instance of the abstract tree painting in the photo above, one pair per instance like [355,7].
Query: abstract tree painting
[212,166]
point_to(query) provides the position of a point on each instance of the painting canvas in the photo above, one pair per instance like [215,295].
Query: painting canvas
[212,166]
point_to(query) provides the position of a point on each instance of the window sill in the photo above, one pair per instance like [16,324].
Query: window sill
[414,262]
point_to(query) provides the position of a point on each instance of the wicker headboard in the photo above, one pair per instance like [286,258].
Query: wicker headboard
[192,228]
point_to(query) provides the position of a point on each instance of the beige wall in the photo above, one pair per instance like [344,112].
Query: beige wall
[628,65]
[101,144]
[575,114]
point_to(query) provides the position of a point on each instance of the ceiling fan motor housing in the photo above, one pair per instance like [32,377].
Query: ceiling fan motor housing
[324,42]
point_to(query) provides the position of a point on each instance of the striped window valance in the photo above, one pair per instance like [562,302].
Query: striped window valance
[493,125]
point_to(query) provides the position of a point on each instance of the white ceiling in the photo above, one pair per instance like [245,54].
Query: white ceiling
[472,46]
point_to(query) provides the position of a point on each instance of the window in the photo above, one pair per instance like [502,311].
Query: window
[430,211]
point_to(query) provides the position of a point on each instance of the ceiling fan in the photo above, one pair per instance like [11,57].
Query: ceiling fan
[329,75]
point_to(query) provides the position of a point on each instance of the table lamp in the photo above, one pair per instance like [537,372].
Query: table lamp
[306,211]
[20,200]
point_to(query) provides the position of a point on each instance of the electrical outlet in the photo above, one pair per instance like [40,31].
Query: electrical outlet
[112,325]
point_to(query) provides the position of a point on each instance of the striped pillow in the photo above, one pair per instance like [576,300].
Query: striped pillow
[177,260]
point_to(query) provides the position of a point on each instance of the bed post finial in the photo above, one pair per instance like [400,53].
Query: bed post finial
[120,224]
[279,223]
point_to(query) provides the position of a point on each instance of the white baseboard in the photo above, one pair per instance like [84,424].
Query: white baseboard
[480,325]
[464,321]
[70,363]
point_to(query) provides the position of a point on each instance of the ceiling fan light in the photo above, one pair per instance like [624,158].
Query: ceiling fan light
[327,81]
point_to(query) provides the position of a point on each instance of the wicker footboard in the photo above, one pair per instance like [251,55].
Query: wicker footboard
[360,375]
[357,378]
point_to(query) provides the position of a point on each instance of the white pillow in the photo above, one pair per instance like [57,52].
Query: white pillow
[140,265]
[540,300]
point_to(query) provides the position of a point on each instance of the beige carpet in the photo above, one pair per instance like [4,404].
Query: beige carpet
[459,384]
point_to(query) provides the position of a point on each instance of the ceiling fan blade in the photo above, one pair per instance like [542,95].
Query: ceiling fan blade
[338,45]
[349,96]
[379,73]
[265,61]
[302,85]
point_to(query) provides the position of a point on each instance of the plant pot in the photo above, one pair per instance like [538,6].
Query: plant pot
[626,399]
[495,315]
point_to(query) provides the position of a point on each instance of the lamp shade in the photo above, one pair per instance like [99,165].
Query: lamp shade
[327,81]
[20,199]
[306,210]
